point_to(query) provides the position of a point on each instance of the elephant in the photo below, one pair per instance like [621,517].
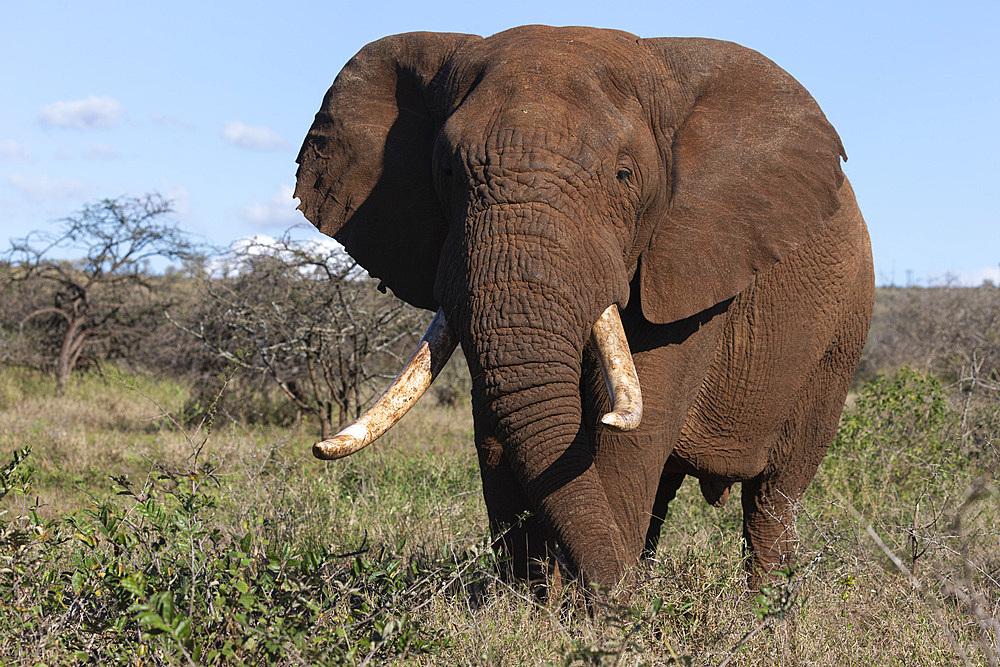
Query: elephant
[648,252]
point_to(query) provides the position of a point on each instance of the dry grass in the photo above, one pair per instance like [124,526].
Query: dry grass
[417,495]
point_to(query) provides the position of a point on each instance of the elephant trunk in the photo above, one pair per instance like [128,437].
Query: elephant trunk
[523,325]
[525,313]
[535,410]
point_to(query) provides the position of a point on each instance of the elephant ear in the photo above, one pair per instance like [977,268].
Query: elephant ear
[754,167]
[364,173]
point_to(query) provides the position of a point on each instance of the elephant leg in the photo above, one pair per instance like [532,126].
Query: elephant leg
[768,527]
[770,501]
[667,490]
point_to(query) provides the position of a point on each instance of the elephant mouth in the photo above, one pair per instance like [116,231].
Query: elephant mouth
[433,352]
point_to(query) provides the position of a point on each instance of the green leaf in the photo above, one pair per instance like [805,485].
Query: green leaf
[183,629]
[165,605]
[153,623]
[134,583]
[77,581]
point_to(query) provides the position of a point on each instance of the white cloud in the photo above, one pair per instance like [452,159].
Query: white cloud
[972,278]
[254,137]
[14,151]
[329,250]
[90,113]
[44,189]
[278,211]
[100,152]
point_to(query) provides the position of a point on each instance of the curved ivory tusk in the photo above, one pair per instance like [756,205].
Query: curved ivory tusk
[417,375]
[618,370]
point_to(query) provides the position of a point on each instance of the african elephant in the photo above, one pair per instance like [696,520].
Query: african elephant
[523,184]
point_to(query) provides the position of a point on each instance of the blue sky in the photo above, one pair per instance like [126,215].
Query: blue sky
[207,103]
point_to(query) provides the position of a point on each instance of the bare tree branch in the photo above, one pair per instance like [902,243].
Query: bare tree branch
[100,290]
[305,318]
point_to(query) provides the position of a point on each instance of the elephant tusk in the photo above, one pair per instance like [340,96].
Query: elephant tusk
[618,370]
[423,366]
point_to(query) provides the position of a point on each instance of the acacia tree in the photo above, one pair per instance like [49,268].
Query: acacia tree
[105,296]
[304,315]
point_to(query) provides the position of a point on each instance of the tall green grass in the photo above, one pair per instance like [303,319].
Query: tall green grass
[131,535]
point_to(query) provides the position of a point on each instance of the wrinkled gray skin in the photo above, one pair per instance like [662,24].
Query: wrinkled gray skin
[526,181]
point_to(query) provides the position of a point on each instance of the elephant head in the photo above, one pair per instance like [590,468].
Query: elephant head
[523,184]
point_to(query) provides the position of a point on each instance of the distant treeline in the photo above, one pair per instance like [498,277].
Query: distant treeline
[951,332]
[293,334]
[296,330]
[293,329]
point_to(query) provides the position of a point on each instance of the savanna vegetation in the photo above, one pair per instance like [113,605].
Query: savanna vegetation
[160,504]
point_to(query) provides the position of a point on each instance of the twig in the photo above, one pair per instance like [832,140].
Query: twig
[744,640]
[917,585]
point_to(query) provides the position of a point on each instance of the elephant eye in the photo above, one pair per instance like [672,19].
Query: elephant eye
[444,163]
[624,174]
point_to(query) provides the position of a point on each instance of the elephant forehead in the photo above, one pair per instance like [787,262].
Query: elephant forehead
[572,62]
[531,116]
[552,45]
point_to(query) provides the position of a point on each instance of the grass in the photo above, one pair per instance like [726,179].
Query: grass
[230,544]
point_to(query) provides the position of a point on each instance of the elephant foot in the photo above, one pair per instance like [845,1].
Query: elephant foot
[760,575]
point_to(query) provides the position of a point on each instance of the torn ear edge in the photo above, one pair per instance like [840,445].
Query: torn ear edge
[755,171]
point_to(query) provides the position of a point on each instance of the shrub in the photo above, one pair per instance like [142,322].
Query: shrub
[146,575]
[898,438]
